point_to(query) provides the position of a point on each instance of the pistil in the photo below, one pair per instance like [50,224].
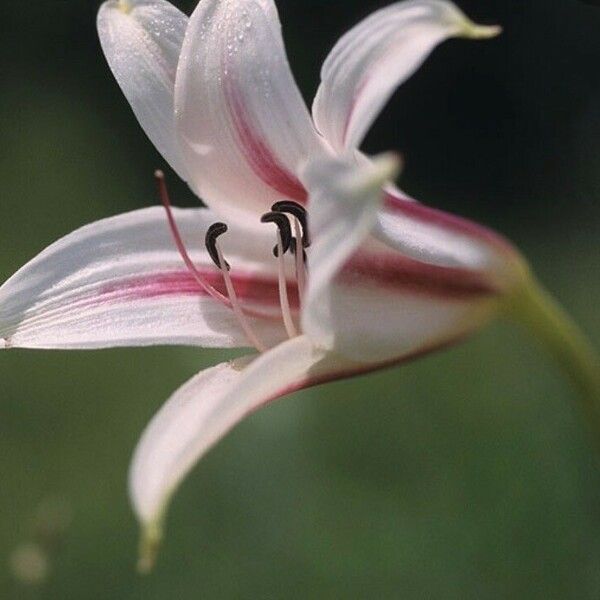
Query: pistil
[164,196]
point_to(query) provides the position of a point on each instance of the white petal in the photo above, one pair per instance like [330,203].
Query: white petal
[121,282]
[373,324]
[365,300]
[142,40]
[243,125]
[211,404]
[438,238]
[374,58]
[344,203]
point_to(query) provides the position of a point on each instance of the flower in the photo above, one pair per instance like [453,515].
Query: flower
[323,265]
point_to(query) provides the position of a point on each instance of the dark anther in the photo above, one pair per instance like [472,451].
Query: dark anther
[214,232]
[294,209]
[284,229]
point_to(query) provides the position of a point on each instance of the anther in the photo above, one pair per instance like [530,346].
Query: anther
[297,211]
[285,229]
[212,235]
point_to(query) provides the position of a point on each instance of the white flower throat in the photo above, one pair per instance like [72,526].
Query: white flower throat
[292,236]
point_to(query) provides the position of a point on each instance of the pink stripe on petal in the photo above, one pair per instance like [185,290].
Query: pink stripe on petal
[255,148]
[444,220]
[252,290]
[397,272]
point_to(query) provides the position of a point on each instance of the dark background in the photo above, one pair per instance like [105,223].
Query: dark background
[466,475]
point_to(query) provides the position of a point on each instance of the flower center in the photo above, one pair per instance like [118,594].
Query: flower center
[292,236]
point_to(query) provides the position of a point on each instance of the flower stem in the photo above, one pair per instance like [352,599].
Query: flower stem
[534,308]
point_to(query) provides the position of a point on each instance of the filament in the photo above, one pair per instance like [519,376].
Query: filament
[283,294]
[235,304]
[300,266]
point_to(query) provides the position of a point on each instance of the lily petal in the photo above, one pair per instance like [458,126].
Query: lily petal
[121,282]
[142,40]
[412,306]
[344,203]
[435,237]
[243,125]
[207,407]
[375,57]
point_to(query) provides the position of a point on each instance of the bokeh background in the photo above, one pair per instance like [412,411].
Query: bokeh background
[468,475]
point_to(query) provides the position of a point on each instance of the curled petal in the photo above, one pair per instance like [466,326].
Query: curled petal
[205,409]
[242,123]
[142,40]
[375,57]
[121,282]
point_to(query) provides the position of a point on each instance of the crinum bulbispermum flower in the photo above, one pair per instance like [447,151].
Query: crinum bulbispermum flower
[311,255]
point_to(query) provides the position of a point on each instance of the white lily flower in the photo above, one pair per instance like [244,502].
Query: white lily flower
[385,279]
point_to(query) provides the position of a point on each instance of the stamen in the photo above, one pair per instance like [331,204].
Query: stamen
[285,230]
[212,245]
[164,196]
[213,233]
[283,294]
[215,253]
[300,221]
[300,256]
[299,213]
[284,242]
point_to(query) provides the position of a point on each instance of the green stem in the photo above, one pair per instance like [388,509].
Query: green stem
[533,307]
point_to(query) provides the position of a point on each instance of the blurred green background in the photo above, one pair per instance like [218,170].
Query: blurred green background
[468,475]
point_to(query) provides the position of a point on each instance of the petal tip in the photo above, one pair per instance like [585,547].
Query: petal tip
[480,32]
[124,6]
[391,164]
[150,542]
[384,168]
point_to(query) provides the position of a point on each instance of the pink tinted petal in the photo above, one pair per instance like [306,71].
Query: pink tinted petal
[256,149]
[434,237]
[242,123]
[394,272]
[211,404]
[400,322]
[206,408]
[366,301]
[121,282]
